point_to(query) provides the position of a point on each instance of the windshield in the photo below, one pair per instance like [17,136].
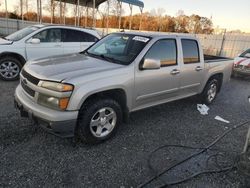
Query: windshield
[21,33]
[119,48]
[246,54]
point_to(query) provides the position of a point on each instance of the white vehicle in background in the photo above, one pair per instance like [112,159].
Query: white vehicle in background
[40,41]
[242,64]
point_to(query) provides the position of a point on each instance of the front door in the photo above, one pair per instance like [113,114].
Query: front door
[159,85]
[50,44]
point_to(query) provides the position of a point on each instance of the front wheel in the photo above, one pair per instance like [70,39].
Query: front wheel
[210,91]
[10,68]
[98,120]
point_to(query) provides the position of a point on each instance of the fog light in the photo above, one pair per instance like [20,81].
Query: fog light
[53,102]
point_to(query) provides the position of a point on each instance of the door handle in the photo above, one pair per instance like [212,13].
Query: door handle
[198,68]
[174,72]
[58,45]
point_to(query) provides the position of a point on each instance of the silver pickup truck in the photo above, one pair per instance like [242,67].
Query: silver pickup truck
[90,93]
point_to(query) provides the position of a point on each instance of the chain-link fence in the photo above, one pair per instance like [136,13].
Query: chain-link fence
[226,45]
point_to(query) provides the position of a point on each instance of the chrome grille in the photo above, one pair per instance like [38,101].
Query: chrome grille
[27,89]
[30,78]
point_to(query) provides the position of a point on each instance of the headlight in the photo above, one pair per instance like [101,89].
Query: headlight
[53,102]
[55,86]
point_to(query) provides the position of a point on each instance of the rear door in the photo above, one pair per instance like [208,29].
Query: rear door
[88,40]
[71,41]
[75,41]
[192,69]
[50,44]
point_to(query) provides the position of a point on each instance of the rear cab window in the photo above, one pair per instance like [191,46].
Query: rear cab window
[190,51]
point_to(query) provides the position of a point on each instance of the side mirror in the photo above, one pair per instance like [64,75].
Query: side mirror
[149,64]
[35,41]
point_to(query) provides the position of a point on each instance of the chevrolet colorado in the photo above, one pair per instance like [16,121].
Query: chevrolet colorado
[89,94]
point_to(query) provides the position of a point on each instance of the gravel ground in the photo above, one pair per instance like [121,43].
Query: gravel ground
[31,157]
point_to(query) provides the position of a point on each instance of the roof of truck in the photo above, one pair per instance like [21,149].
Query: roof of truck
[158,34]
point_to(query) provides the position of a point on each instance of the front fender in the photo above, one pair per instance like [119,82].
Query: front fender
[82,92]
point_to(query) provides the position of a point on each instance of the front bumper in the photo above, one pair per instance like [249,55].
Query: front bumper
[240,71]
[60,123]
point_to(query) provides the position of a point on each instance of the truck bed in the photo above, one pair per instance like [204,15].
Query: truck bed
[212,59]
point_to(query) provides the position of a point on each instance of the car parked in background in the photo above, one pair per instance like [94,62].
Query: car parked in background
[242,64]
[40,41]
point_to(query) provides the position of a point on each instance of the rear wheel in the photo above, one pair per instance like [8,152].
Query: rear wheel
[10,68]
[210,92]
[98,120]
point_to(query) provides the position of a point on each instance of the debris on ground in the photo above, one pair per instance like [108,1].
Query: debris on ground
[203,109]
[221,119]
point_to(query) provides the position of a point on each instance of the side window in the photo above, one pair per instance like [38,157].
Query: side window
[90,38]
[165,51]
[190,50]
[49,35]
[71,35]
[246,53]
[42,36]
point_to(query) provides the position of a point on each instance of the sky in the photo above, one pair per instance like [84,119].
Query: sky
[231,15]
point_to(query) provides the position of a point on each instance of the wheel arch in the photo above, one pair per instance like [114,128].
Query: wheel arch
[219,77]
[19,57]
[118,94]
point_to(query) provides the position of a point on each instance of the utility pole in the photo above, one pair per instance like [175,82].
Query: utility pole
[60,11]
[131,13]
[40,11]
[107,21]
[21,7]
[120,14]
[141,9]
[93,13]
[7,16]
[26,4]
[223,41]
[78,15]
[64,16]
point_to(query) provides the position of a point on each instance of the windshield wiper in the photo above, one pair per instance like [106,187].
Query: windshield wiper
[5,38]
[110,59]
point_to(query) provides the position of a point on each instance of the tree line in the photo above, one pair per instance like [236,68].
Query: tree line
[155,20]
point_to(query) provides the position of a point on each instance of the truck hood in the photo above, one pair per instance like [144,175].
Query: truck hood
[4,41]
[59,68]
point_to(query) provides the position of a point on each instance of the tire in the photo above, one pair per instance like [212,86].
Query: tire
[210,91]
[96,122]
[10,68]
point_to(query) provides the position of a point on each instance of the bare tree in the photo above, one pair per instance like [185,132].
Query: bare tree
[103,12]
[115,10]
[51,6]
[158,14]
